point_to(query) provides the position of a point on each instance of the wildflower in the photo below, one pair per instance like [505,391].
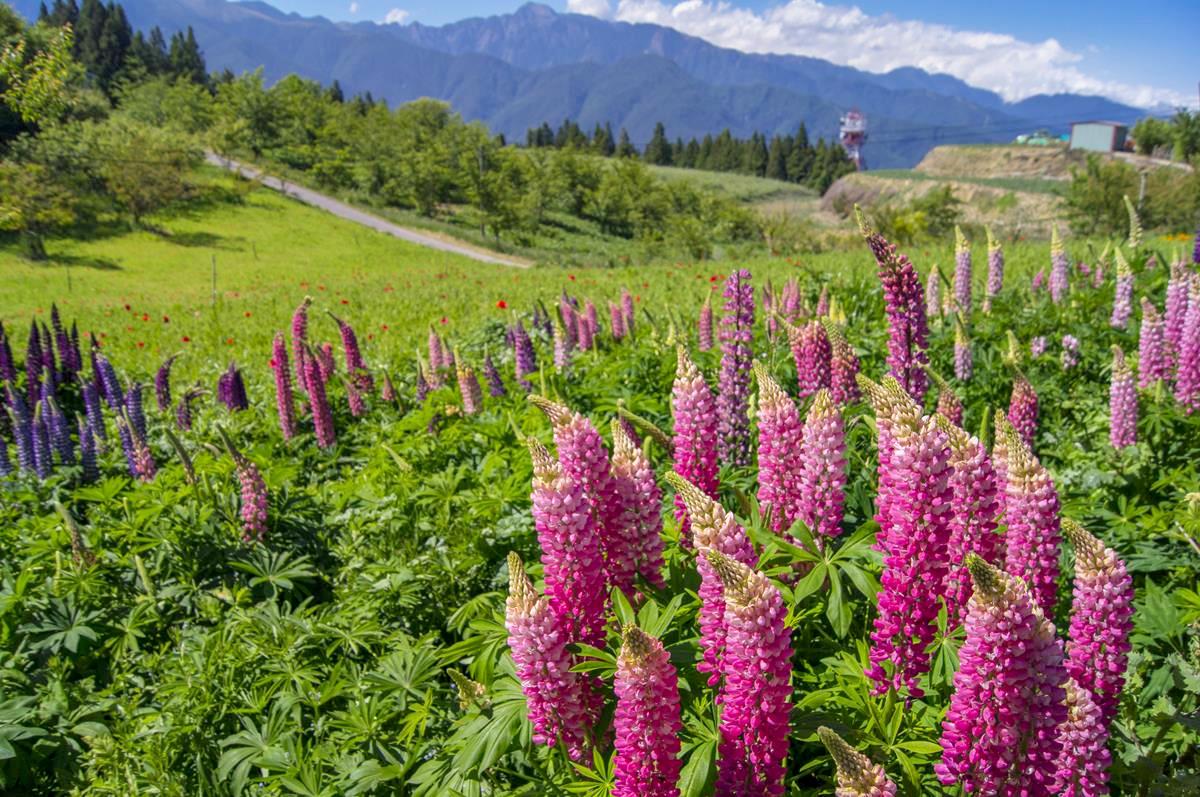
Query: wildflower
[1176,308]
[231,390]
[502,305]
[780,457]
[1023,408]
[90,393]
[1083,758]
[300,339]
[1031,508]
[325,364]
[562,346]
[822,310]
[693,408]
[891,406]
[1123,298]
[1187,369]
[133,407]
[322,415]
[162,384]
[704,326]
[284,403]
[526,360]
[353,356]
[87,452]
[823,468]
[254,496]
[591,324]
[627,309]
[354,399]
[1135,225]
[496,387]
[1070,352]
[843,365]
[995,275]
[423,386]
[857,775]
[962,273]
[1039,280]
[183,411]
[933,294]
[58,431]
[963,363]
[647,719]
[1059,268]
[40,434]
[949,405]
[999,735]
[1154,363]
[616,320]
[388,391]
[8,369]
[1037,346]
[640,502]
[733,396]
[469,390]
[110,386]
[812,353]
[1122,403]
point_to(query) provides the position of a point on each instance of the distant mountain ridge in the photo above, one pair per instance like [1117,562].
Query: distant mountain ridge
[514,71]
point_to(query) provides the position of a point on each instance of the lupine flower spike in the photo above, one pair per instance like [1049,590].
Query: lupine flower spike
[1059,268]
[843,366]
[1000,732]
[1135,225]
[962,273]
[469,389]
[756,691]
[387,391]
[253,493]
[495,382]
[694,410]
[1176,307]
[1122,403]
[963,362]
[995,275]
[1083,757]
[284,403]
[1123,298]
[780,438]
[355,366]
[162,384]
[823,468]
[733,396]
[1154,363]
[1031,508]
[812,354]
[641,505]
[1187,370]
[322,415]
[1023,408]
[704,326]
[857,775]
[523,356]
[949,405]
[647,719]
[616,320]
[300,339]
[933,294]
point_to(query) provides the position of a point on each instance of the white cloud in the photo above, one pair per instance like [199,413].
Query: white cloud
[395,16]
[354,8]
[1013,68]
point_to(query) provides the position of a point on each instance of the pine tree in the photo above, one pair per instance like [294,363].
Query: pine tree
[625,148]
[335,92]
[658,150]
[777,160]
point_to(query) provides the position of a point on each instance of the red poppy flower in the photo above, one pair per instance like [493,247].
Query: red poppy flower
[445,320]
[186,339]
[228,341]
[247,314]
[503,305]
[166,320]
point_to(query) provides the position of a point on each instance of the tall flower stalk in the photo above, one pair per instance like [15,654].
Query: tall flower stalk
[780,438]
[812,354]
[733,396]
[1176,307]
[356,367]
[1023,408]
[823,468]
[857,775]
[995,275]
[322,415]
[1033,537]
[1083,757]
[1123,297]
[843,365]
[300,340]
[704,325]
[469,389]
[962,272]
[694,410]
[1060,270]
[640,521]
[284,402]
[1187,369]
[1122,403]
[647,719]
[964,364]
[162,384]
[1154,363]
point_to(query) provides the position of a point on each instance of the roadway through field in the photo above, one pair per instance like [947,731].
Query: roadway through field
[342,210]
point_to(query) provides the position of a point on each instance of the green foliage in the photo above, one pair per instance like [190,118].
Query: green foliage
[1096,204]
[34,74]
[932,215]
[33,205]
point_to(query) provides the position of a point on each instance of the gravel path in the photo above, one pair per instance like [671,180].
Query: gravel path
[341,209]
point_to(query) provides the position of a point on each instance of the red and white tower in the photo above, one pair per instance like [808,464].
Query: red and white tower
[853,134]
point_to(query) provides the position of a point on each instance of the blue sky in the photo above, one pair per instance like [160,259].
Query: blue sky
[1134,51]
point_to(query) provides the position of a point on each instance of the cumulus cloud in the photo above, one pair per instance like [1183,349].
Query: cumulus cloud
[1011,67]
[395,16]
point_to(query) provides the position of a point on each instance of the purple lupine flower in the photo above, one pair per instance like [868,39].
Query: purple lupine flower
[995,275]
[1196,248]
[1101,620]
[42,459]
[627,309]
[355,366]
[704,326]
[908,330]
[593,321]
[756,689]
[1038,281]
[162,384]
[183,410]
[144,466]
[322,415]
[1154,363]
[572,553]
[789,303]
[523,355]
[231,390]
[90,394]
[254,506]
[22,427]
[1059,268]
[496,387]
[733,396]
[76,355]
[8,369]
[300,339]
[423,386]
[963,362]
[933,294]
[823,468]
[892,406]
[857,775]
[1070,352]
[49,365]
[110,386]
[6,467]
[1031,511]
[62,342]
[1037,346]
[559,702]
[647,719]
[437,358]
[562,346]
[325,363]
[1187,368]
[87,452]
[694,413]
[134,409]
[1122,403]
[1123,297]
[59,432]
[1083,757]
[33,359]
[713,529]
[1176,308]
[640,502]
[823,303]
[975,512]
[355,400]
[585,326]
[780,457]
[565,329]
[388,391]
[616,320]
[812,354]
[843,365]
[1000,732]
[284,403]
[1023,408]
[962,273]
[469,390]
[915,533]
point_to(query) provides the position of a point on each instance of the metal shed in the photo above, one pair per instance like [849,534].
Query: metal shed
[1098,136]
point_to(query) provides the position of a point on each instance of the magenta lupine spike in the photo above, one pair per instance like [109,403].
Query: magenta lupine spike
[1122,403]
[33,359]
[641,505]
[558,701]
[790,300]
[995,275]
[857,775]
[823,303]
[354,399]
[1154,363]
[962,273]
[469,389]
[437,359]
[355,366]
[768,305]
[1023,408]
[1187,369]
[572,556]
[647,719]
[933,294]
[284,403]
[1031,511]
[1001,430]
[813,355]
[964,365]
[254,500]
[704,327]
[823,468]
[915,532]
[523,355]
[593,324]
[142,457]
[1000,732]
[1060,269]
[892,405]
[733,395]
[949,405]
[616,320]
[422,385]
[908,330]
[162,384]
[1176,307]
[780,452]
[843,365]
[183,410]
[322,415]
[562,346]
[491,373]
[583,332]
[1070,352]
[974,516]
[1039,281]
[694,411]
[388,391]
[627,310]
[1123,297]
[300,339]
[756,690]
[1083,757]
[565,330]
[715,529]
[1101,620]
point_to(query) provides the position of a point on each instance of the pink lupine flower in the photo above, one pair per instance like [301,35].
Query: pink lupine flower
[641,504]
[714,529]
[694,410]
[1176,307]
[823,468]
[1031,509]
[300,339]
[283,387]
[143,459]
[388,391]
[1123,297]
[949,405]
[354,399]
[962,273]
[562,346]
[704,326]
[733,396]
[437,358]
[1154,363]
[756,691]
[589,327]
[325,364]
[1060,268]
[1101,620]
[1070,352]
[915,532]
[822,310]
[162,384]
[254,500]
[572,556]
[789,303]
[933,294]
[616,321]
[355,366]
[1122,403]
[963,362]
[812,354]
[1039,280]
[583,332]
[995,275]
[318,402]
[975,510]
[891,406]
[560,703]
[1001,429]
[1037,346]
[908,330]
[1000,732]
[469,389]
[627,310]
[647,719]
[1083,757]
[843,366]
[857,775]
[780,436]
[1187,368]
[1023,408]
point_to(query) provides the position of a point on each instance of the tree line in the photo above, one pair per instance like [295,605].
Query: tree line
[791,158]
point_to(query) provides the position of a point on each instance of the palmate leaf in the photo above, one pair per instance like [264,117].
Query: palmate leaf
[594,781]
[277,569]
[253,746]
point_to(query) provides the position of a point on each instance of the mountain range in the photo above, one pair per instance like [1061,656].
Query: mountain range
[515,71]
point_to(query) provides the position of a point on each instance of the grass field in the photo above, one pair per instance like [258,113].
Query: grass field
[1033,185]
